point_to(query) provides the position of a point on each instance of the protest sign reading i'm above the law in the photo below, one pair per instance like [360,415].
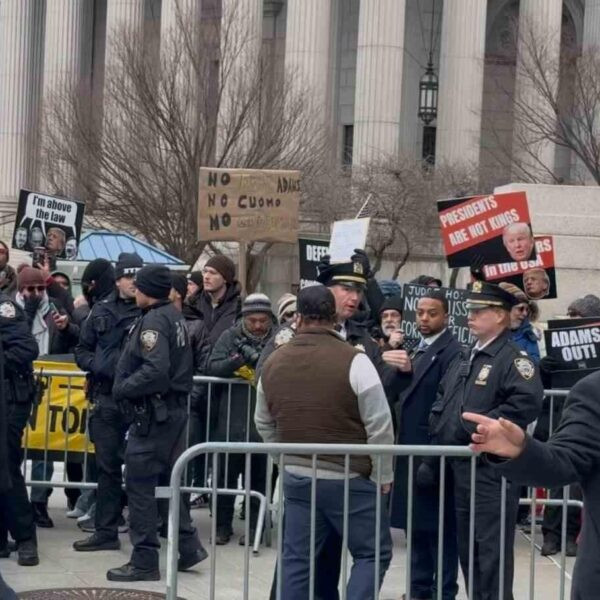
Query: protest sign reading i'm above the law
[47,221]
[494,228]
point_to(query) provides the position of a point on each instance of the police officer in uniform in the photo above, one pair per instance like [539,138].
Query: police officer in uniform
[17,352]
[100,342]
[493,378]
[153,379]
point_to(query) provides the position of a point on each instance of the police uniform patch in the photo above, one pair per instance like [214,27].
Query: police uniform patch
[283,337]
[7,310]
[483,375]
[525,367]
[149,339]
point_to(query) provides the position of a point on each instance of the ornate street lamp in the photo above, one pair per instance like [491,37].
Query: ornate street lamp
[428,94]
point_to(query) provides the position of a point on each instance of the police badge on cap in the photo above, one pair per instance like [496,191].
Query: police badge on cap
[349,274]
[482,294]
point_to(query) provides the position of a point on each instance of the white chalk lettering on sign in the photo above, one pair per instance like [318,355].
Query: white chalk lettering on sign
[577,344]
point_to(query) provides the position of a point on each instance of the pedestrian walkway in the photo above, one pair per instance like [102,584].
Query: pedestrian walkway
[60,566]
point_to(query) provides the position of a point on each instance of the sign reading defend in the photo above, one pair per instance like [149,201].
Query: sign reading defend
[248,205]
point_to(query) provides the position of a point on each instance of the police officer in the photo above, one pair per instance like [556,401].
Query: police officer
[153,378]
[493,378]
[18,349]
[112,313]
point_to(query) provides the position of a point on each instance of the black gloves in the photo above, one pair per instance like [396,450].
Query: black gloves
[358,256]
[476,268]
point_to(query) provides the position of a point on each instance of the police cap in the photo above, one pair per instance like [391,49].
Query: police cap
[488,295]
[348,274]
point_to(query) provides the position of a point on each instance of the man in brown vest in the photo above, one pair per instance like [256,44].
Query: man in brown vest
[319,389]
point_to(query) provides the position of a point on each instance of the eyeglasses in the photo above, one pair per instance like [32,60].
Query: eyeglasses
[36,288]
[522,308]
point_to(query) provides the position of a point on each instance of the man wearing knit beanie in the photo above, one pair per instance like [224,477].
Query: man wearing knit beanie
[236,354]
[219,302]
[286,308]
[154,377]
[521,329]
[98,280]
[113,311]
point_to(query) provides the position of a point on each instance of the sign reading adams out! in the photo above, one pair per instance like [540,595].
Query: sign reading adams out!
[48,222]
[492,229]
[575,344]
[457,313]
[248,205]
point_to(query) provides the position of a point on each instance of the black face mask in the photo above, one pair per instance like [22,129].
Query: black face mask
[32,303]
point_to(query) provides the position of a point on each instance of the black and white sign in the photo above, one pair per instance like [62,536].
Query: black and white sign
[457,304]
[310,253]
[48,222]
[575,344]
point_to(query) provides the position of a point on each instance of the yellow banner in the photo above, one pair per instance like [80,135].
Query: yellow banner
[59,422]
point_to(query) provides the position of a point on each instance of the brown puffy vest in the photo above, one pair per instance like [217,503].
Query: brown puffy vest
[306,384]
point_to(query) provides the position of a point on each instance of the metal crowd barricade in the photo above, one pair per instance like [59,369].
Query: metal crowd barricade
[209,483]
[280,451]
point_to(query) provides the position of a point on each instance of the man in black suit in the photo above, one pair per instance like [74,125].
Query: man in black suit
[572,454]
[426,365]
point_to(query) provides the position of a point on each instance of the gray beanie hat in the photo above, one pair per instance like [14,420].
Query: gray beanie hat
[588,306]
[257,303]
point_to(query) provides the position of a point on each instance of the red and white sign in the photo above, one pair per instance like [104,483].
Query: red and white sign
[494,228]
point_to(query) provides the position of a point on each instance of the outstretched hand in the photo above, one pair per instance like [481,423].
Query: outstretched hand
[496,436]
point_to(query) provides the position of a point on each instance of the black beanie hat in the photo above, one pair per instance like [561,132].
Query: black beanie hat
[196,277]
[102,272]
[223,265]
[96,269]
[393,303]
[179,284]
[154,281]
[129,263]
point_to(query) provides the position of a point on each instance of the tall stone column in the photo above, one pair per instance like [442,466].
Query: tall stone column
[64,63]
[461,81]
[378,97]
[121,14]
[539,30]
[591,24]
[308,54]
[241,42]
[21,44]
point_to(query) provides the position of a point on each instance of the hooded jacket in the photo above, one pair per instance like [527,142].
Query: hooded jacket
[526,339]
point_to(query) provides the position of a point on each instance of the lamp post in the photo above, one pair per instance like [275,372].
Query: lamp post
[428,95]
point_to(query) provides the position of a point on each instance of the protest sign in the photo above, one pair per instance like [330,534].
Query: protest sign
[457,313]
[347,236]
[310,253]
[575,344]
[49,222]
[494,228]
[537,278]
[59,422]
[247,205]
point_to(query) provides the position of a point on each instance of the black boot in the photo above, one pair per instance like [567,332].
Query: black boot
[27,553]
[95,543]
[187,561]
[129,572]
[40,515]
[7,548]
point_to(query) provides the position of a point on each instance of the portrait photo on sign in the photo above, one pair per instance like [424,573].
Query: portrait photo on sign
[494,229]
[535,278]
[48,225]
